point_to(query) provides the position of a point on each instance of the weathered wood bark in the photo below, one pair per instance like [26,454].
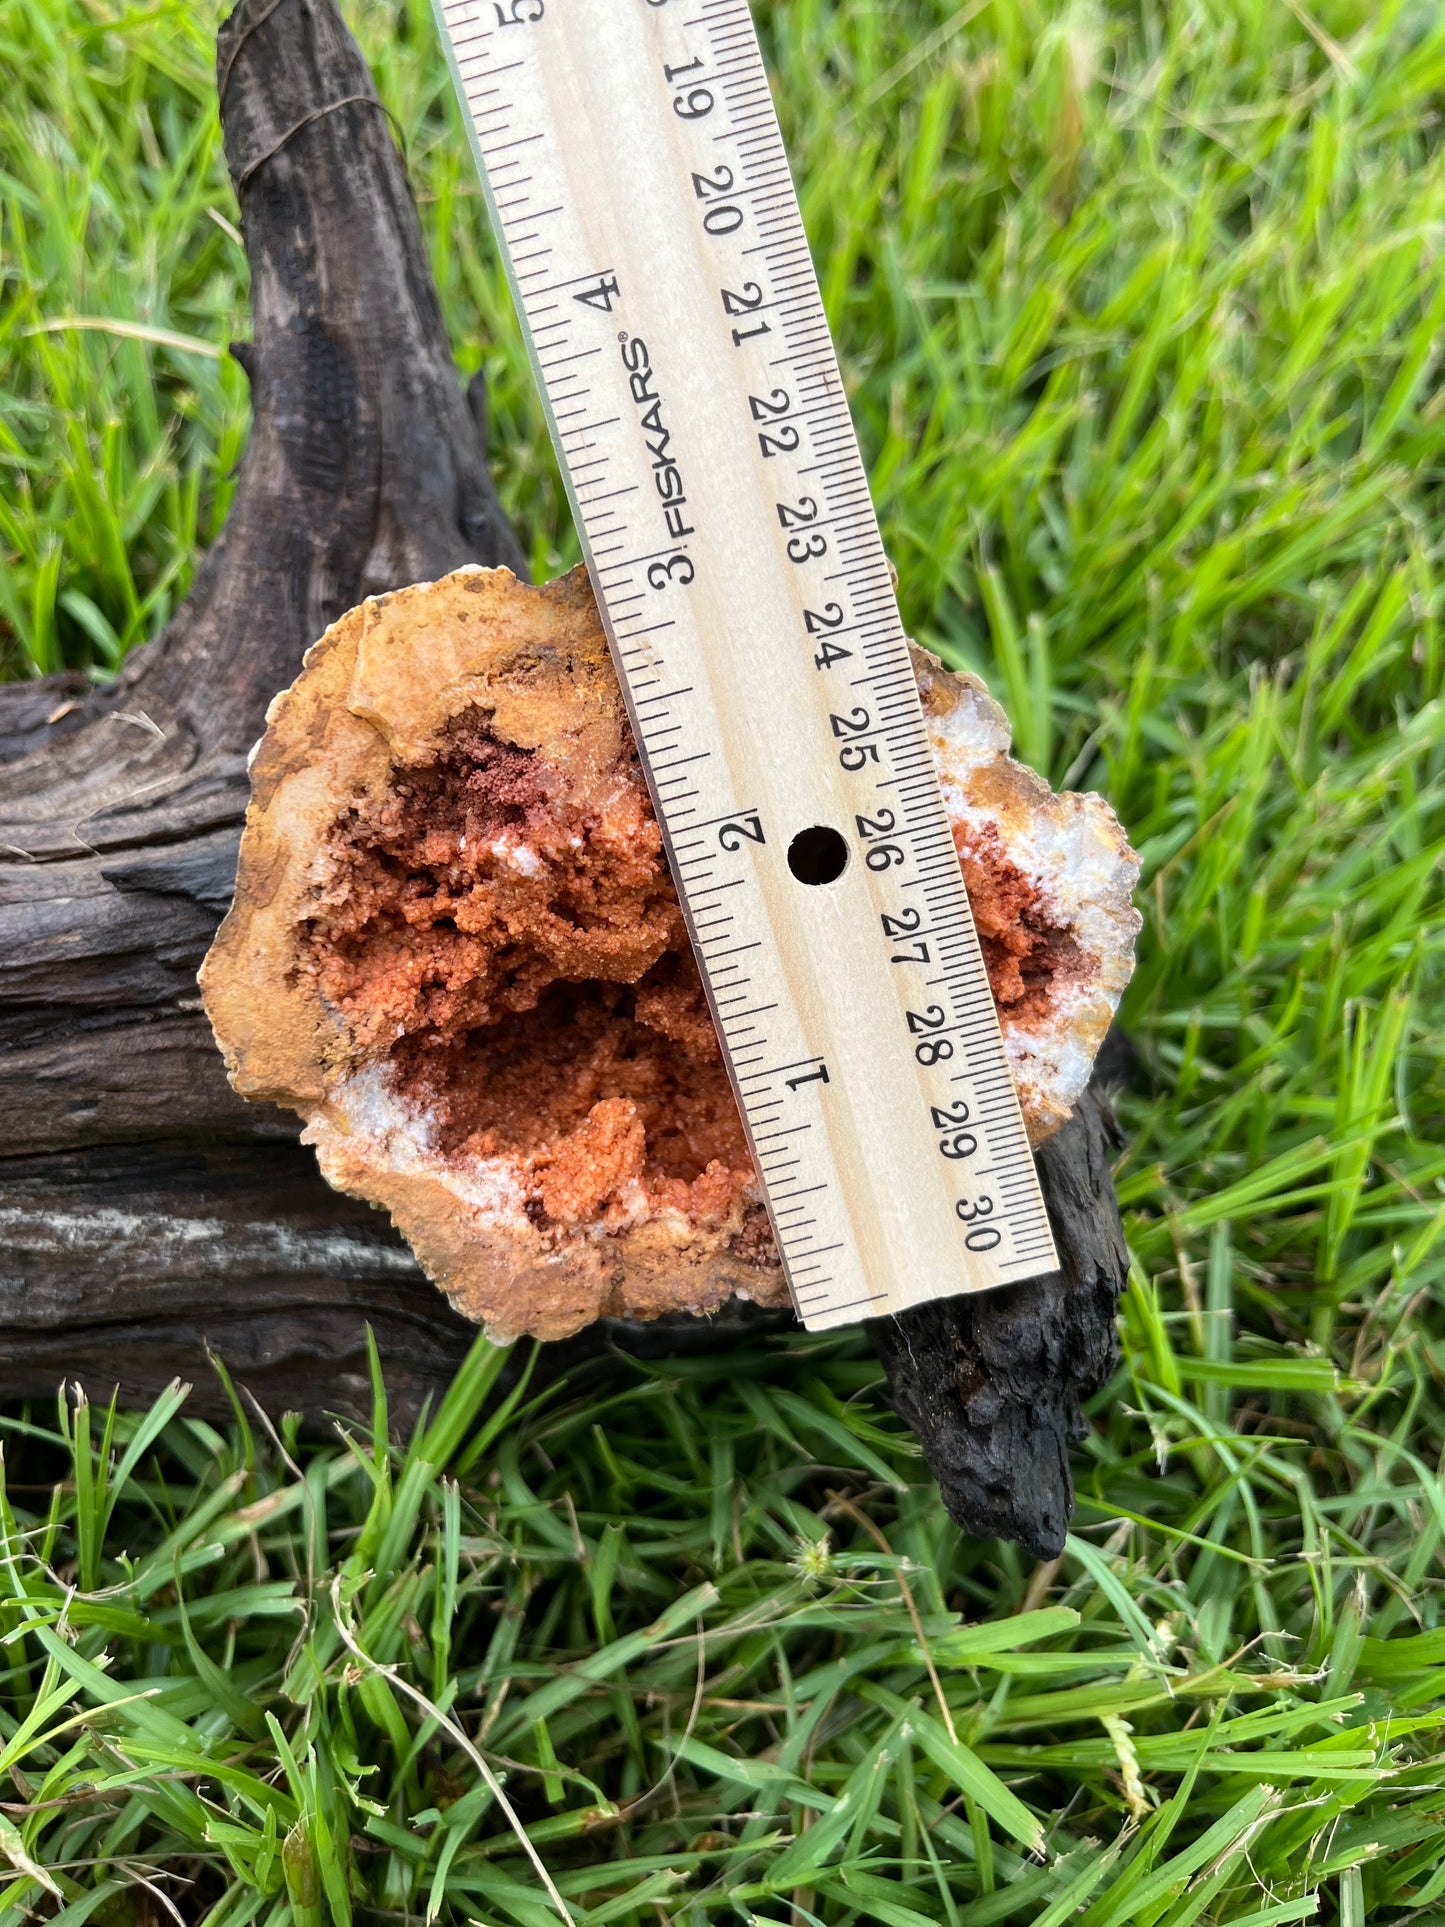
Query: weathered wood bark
[141,1203]
[145,1212]
[993,1384]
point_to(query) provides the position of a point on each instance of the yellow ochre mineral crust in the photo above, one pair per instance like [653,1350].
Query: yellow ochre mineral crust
[456,950]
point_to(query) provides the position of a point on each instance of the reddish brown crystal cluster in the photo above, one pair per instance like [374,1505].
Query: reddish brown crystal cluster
[1027,951]
[457,951]
[521,960]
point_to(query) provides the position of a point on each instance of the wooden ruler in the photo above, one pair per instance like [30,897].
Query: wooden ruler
[640,190]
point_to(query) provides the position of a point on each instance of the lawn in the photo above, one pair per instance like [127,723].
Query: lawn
[1140,307]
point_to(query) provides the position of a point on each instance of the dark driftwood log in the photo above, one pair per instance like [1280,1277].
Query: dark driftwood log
[993,1383]
[145,1211]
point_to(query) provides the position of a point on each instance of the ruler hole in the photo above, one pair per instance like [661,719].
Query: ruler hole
[818,855]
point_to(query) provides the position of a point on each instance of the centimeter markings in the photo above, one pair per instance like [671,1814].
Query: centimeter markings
[641,192]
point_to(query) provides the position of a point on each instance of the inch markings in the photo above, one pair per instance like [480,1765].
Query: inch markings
[640,191]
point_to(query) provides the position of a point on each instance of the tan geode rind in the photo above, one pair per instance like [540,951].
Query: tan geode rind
[1050,880]
[586,1223]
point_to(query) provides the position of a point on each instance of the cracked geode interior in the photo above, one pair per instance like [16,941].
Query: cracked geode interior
[518,957]
[457,951]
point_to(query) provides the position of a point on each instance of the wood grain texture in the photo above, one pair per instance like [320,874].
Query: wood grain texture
[143,1206]
[145,1212]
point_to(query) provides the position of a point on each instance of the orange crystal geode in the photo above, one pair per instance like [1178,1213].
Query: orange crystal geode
[456,950]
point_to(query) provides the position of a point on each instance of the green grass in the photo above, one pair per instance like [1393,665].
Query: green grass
[1140,305]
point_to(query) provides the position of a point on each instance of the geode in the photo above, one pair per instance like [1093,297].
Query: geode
[456,950]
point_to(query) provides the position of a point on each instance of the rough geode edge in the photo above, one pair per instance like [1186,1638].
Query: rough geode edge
[368,699]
